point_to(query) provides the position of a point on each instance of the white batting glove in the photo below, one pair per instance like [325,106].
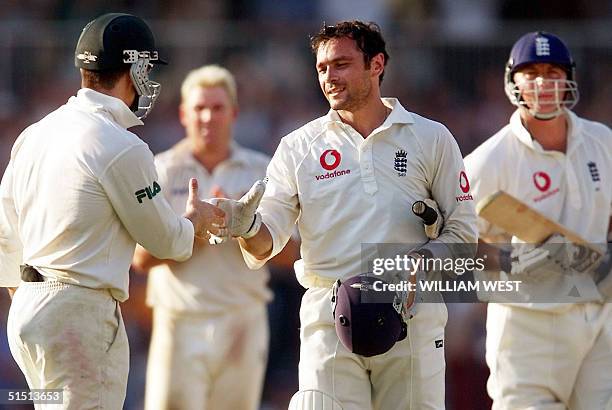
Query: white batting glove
[242,217]
[529,259]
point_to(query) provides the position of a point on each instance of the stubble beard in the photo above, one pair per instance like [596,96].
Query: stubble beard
[355,99]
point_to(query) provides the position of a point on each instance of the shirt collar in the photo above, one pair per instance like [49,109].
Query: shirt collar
[573,131]
[398,114]
[99,102]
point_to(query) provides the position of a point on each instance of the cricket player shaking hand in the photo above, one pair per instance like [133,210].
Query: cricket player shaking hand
[554,353]
[78,194]
[347,178]
[207,350]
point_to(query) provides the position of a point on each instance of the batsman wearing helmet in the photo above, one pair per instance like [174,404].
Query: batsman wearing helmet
[78,194]
[348,178]
[552,352]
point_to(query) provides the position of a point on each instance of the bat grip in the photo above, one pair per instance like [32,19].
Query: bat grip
[425,212]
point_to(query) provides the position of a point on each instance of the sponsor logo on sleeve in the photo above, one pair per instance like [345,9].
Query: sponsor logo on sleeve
[464,185]
[147,192]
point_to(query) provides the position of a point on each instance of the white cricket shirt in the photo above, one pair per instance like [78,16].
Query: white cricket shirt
[572,188]
[79,192]
[345,190]
[216,279]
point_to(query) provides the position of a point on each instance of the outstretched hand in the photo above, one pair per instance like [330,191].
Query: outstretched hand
[205,217]
[242,219]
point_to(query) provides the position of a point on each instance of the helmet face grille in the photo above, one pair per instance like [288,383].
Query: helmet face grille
[148,91]
[565,96]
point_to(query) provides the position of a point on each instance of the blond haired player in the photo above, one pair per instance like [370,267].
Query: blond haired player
[79,192]
[210,330]
[348,178]
[554,354]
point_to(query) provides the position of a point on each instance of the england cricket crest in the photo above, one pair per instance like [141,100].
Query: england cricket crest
[401,160]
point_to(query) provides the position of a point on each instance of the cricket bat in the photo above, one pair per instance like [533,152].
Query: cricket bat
[519,219]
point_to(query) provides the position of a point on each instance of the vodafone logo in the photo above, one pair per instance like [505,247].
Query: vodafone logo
[330,159]
[541,180]
[464,184]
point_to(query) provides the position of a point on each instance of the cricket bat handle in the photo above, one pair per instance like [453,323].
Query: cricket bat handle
[425,212]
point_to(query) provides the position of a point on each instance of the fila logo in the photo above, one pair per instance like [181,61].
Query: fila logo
[330,159]
[542,46]
[148,192]
[401,160]
[87,57]
[541,180]
[439,343]
[594,171]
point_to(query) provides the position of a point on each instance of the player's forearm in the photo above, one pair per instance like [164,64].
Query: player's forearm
[286,257]
[143,261]
[260,245]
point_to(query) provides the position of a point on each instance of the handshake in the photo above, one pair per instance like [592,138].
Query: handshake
[219,219]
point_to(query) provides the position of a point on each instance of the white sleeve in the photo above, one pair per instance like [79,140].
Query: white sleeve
[451,191]
[279,207]
[484,181]
[11,248]
[131,183]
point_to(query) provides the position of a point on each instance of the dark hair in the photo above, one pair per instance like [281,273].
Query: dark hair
[102,79]
[367,36]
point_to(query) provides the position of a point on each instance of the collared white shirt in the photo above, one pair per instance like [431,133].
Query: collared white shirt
[79,192]
[215,280]
[345,190]
[572,188]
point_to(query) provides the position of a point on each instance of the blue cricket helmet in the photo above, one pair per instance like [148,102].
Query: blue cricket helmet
[541,47]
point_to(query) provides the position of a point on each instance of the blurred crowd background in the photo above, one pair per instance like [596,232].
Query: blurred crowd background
[447,63]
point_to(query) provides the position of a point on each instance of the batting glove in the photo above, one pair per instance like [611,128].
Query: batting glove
[529,259]
[242,218]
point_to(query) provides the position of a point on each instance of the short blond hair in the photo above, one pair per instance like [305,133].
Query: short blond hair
[210,76]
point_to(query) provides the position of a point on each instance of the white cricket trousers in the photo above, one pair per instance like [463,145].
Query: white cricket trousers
[410,376]
[550,360]
[200,362]
[72,338]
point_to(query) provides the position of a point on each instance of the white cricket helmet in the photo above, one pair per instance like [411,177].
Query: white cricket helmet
[313,400]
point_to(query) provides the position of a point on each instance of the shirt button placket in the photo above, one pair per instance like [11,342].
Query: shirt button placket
[367,169]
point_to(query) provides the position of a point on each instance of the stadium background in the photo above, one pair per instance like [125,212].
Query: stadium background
[447,63]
